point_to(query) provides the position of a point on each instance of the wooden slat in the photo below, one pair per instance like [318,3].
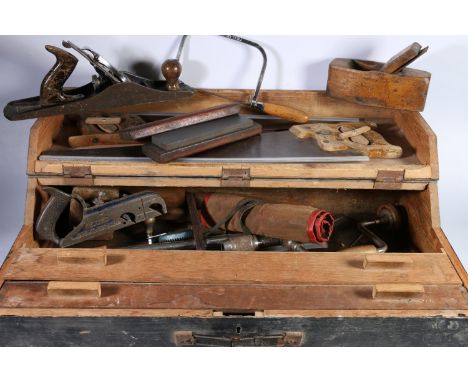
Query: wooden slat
[229,298]
[382,260]
[116,312]
[30,206]
[397,290]
[361,313]
[223,267]
[421,137]
[106,312]
[74,288]
[457,264]
[423,215]
[40,138]
[216,182]
[24,239]
[350,171]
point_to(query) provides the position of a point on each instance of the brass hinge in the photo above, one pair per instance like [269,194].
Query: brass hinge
[81,175]
[235,177]
[389,179]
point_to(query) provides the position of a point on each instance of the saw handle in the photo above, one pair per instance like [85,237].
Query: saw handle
[285,112]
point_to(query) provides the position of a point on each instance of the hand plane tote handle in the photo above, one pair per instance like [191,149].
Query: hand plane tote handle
[98,219]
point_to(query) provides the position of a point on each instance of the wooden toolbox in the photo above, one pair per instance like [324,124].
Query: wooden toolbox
[100,296]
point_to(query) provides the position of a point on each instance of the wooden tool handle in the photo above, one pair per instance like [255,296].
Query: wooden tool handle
[401,59]
[285,112]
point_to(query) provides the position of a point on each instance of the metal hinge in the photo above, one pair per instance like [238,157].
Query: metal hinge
[81,175]
[235,177]
[389,179]
[188,338]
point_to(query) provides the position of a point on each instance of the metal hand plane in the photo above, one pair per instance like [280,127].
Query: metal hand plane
[109,89]
[99,219]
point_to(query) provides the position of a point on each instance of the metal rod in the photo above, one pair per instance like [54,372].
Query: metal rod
[243,41]
[264,65]
[379,243]
[181,47]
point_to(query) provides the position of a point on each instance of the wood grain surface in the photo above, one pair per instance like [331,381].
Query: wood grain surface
[229,298]
[223,267]
[406,90]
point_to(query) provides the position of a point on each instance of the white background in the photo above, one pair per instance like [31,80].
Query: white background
[294,62]
[447,100]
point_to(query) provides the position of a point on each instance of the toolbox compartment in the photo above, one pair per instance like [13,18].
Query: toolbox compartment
[244,281]
[253,297]
[413,170]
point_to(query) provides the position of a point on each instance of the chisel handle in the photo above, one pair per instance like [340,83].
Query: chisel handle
[285,112]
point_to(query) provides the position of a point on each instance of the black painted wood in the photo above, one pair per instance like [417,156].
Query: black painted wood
[149,331]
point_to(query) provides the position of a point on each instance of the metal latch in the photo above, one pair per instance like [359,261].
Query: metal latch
[188,338]
[235,177]
[81,175]
[389,179]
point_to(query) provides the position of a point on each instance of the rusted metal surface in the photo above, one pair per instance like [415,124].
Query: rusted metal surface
[99,219]
[173,123]
[389,179]
[189,338]
[200,242]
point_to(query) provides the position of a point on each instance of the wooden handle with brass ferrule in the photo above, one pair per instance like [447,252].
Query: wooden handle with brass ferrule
[284,112]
